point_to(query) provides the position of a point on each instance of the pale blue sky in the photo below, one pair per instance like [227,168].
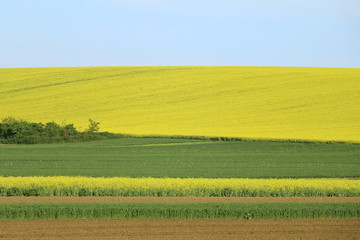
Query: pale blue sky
[46,33]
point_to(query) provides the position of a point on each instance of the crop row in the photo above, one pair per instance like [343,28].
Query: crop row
[178,210]
[122,186]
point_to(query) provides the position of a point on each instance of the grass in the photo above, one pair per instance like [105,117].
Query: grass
[247,102]
[30,211]
[160,157]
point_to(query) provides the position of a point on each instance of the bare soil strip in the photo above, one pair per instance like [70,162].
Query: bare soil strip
[177,199]
[182,229]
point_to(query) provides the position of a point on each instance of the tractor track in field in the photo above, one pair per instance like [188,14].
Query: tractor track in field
[182,229]
[176,199]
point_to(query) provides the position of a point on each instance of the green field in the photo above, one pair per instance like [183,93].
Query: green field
[177,210]
[164,157]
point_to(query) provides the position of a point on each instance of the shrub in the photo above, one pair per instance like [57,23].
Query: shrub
[20,131]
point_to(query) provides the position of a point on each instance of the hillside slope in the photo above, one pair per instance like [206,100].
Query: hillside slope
[250,102]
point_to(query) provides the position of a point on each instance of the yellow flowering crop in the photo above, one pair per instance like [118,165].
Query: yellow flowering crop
[249,102]
[122,186]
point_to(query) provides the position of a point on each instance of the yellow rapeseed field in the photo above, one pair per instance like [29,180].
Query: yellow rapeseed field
[249,102]
[124,186]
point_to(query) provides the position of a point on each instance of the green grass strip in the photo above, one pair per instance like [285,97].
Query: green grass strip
[178,210]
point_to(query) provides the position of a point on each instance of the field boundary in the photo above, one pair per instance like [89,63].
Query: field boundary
[217,139]
[238,139]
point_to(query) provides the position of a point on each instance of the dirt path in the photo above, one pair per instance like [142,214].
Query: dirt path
[181,229]
[177,199]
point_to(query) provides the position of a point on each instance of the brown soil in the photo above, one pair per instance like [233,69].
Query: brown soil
[177,199]
[182,229]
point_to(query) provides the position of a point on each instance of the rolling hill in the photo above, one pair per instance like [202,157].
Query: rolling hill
[320,104]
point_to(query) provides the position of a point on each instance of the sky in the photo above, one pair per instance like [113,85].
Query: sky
[56,33]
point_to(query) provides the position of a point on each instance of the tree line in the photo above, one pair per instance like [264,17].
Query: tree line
[18,131]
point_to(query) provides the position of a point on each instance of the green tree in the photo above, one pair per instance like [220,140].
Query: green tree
[93,126]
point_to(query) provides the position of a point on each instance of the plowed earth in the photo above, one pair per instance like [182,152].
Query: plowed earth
[176,199]
[182,229]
